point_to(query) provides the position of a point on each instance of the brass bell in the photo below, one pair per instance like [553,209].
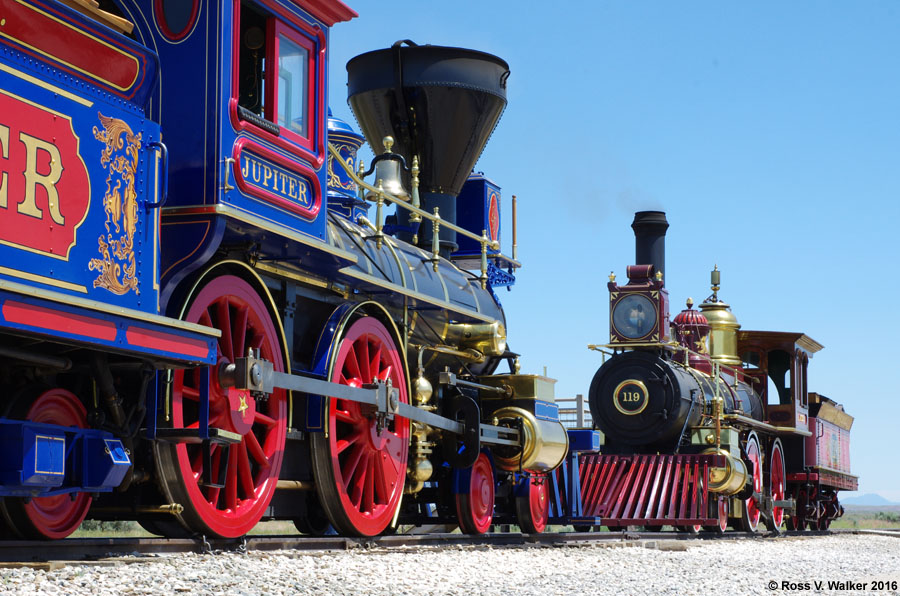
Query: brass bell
[388,173]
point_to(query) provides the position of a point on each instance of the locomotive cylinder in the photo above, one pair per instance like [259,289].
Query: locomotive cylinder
[544,446]
[731,478]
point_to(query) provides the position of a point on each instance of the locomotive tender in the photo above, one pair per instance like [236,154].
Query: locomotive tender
[705,425]
[203,325]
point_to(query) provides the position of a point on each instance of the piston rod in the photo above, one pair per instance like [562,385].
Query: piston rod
[258,376]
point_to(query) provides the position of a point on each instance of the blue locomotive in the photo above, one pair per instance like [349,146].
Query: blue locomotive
[207,317]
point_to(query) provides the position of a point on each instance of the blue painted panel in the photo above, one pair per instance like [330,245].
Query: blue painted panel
[583,440]
[478,209]
[104,463]
[46,459]
[78,172]
[544,410]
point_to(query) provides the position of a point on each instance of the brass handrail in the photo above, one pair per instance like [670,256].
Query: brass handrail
[435,218]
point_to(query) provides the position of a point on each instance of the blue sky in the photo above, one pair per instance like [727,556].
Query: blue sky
[768,131]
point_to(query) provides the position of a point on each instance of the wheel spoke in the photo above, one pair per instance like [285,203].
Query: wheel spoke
[255,450]
[231,480]
[368,500]
[224,320]
[351,365]
[362,359]
[393,446]
[386,471]
[375,363]
[239,329]
[344,416]
[359,480]
[264,419]
[244,472]
[190,392]
[348,469]
[257,338]
[342,444]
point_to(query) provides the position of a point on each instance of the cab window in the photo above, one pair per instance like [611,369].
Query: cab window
[293,72]
[276,72]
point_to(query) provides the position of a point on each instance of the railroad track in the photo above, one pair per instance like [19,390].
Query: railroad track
[93,549]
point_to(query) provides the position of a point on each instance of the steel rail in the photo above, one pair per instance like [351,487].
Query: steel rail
[88,549]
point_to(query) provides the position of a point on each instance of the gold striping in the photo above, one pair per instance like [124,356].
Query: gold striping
[45,85]
[416,295]
[262,223]
[72,66]
[290,274]
[44,280]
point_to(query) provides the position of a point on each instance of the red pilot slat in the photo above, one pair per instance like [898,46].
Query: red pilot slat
[665,489]
[648,512]
[685,487]
[619,486]
[673,495]
[598,485]
[639,484]
[47,319]
[639,506]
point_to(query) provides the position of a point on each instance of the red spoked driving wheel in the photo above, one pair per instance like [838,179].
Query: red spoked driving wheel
[721,504]
[750,513]
[797,521]
[533,510]
[776,480]
[57,516]
[360,464]
[475,507]
[243,474]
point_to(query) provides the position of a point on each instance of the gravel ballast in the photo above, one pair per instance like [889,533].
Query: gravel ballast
[782,565]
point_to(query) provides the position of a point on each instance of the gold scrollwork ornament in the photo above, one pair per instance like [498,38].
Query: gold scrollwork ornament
[117,269]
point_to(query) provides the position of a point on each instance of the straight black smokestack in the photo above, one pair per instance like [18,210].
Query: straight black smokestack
[650,239]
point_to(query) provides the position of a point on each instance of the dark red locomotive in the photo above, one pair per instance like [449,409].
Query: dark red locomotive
[706,424]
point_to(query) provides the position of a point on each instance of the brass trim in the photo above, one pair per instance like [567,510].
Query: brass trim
[94,305]
[644,391]
[778,430]
[295,485]
[44,280]
[274,270]
[416,295]
[46,85]
[240,215]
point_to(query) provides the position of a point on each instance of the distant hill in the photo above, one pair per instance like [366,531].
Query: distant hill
[868,499]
